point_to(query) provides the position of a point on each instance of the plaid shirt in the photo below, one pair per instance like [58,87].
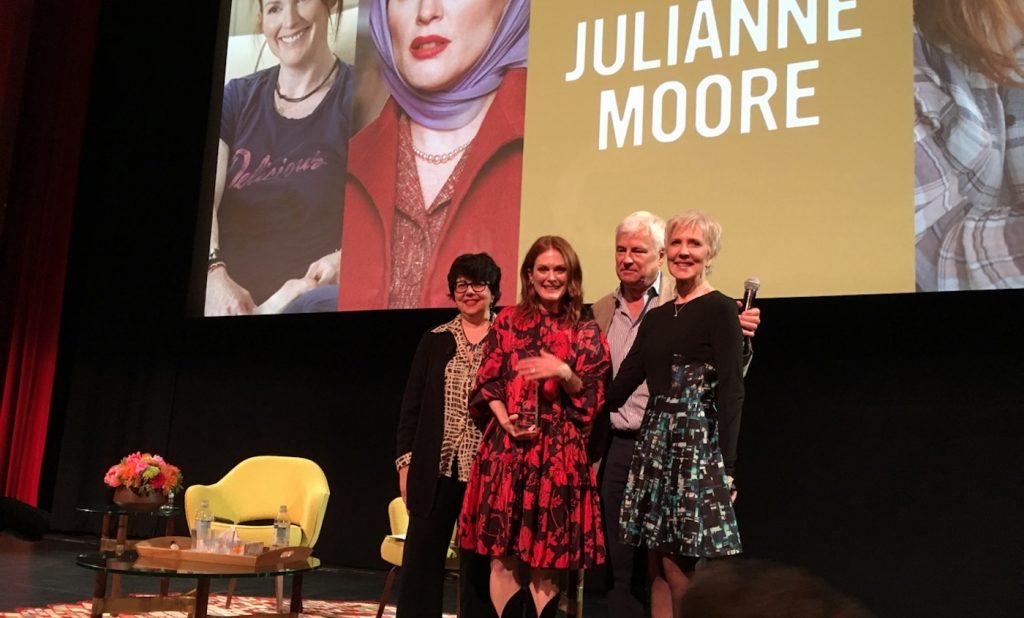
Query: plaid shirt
[969,175]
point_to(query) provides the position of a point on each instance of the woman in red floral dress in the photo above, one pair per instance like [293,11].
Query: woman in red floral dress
[532,498]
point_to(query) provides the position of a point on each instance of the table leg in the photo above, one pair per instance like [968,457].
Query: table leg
[122,534]
[296,606]
[279,593]
[99,593]
[202,596]
[165,584]
[115,586]
[119,547]
[104,529]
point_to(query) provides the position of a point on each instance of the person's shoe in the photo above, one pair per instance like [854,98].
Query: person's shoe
[551,609]
[517,605]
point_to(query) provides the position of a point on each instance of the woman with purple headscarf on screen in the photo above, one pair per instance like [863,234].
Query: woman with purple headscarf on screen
[438,172]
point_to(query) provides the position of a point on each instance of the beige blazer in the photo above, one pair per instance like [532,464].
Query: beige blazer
[604,308]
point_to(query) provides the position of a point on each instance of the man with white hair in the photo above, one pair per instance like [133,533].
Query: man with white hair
[639,256]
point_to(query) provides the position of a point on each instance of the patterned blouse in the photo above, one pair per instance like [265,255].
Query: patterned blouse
[461,434]
[417,229]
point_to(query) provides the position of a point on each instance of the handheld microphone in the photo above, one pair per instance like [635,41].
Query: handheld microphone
[750,288]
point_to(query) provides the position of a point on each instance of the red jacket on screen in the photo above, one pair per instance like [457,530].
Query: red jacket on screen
[483,216]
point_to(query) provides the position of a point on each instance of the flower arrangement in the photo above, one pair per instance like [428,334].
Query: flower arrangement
[143,473]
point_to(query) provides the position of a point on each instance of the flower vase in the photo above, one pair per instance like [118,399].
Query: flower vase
[142,501]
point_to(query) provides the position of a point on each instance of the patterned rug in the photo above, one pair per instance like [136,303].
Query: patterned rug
[240,606]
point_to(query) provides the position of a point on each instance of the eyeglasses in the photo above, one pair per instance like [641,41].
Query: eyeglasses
[478,286]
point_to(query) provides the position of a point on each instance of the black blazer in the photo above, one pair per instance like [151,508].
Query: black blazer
[421,422]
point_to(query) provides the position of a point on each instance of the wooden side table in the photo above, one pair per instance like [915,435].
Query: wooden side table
[115,540]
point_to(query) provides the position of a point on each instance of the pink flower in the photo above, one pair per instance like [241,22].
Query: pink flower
[143,471]
[111,477]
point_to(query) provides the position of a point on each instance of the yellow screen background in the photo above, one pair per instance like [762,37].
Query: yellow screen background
[819,210]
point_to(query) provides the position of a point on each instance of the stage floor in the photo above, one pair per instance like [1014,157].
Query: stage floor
[40,573]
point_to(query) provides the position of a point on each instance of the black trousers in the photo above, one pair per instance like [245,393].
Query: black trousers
[421,592]
[627,565]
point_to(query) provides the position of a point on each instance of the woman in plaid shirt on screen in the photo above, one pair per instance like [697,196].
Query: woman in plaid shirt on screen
[969,144]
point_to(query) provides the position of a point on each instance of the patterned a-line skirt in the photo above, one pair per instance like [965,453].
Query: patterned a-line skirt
[677,498]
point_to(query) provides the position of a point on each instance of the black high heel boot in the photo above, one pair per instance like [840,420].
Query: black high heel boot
[517,604]
[551,609]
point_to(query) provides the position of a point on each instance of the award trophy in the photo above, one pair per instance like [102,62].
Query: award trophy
[529,410]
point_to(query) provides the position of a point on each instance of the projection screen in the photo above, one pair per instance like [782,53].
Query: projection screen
[846,147]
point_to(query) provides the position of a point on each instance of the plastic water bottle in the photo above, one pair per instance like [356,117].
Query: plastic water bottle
[282,525]
[204,526]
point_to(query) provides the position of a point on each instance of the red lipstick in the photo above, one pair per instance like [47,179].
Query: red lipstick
[424,47]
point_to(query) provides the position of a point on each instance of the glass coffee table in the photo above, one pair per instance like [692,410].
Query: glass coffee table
[116,539]
[131,564]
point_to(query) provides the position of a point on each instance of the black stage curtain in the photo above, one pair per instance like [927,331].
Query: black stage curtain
[130,258]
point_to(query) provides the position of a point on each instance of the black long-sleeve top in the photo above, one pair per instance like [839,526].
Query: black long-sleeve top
[706,330]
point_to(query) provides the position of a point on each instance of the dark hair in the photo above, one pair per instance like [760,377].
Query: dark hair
[476,267]
[572,301]
[738,588]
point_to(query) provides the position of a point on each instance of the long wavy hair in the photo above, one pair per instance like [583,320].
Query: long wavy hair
[979,32]
[571,303]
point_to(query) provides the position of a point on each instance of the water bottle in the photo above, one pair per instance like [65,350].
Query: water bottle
[282,525]
[204,526]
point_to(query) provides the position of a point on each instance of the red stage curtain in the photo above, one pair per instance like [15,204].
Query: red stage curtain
[43,114]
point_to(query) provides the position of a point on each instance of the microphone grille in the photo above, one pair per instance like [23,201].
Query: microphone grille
[752,284]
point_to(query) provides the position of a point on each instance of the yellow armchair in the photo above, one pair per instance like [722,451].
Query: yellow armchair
[393,546]
[255,489]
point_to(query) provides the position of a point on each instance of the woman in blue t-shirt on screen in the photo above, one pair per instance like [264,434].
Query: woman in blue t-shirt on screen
[281,168]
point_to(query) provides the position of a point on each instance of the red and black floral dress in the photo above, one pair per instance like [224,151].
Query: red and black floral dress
[537,500]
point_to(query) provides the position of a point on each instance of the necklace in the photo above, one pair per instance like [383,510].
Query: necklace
[277,88]
[442,158]
[697,293]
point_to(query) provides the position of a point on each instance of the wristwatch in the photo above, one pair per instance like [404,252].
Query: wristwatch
[214,260]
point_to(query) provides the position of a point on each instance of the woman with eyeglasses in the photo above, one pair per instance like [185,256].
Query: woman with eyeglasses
[437,441]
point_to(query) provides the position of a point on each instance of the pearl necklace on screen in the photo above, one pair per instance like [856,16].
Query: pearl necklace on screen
[441,158]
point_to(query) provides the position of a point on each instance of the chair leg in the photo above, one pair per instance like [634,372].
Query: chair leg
[279,592]
[458,596]
[572,595]
[577,604]
[388,582]
[231,592]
